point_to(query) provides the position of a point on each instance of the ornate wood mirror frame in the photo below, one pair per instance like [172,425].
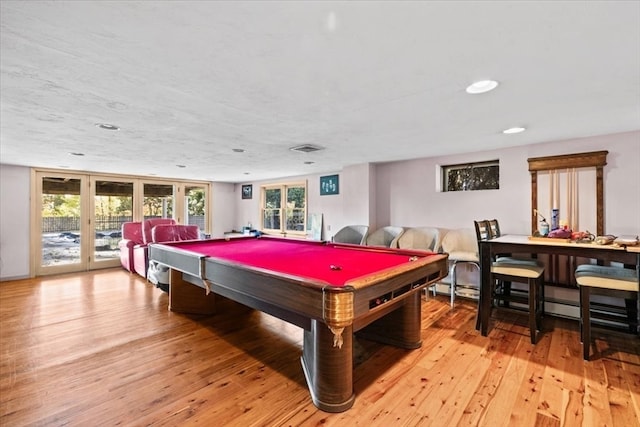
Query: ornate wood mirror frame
[597,159]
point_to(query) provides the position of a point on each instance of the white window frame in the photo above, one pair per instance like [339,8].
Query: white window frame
[284,212]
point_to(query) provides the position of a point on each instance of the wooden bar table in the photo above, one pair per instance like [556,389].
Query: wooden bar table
[522,244]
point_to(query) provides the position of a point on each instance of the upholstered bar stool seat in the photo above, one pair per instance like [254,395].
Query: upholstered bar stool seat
[603,280]
[517,267]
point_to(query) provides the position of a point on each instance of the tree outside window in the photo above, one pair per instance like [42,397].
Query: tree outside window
[471,176]
[284,208]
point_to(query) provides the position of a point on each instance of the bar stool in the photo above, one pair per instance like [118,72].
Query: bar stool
[508,269]
[462,247]
[602,280]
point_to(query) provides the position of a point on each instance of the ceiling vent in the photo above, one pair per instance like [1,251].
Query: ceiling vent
[306,148]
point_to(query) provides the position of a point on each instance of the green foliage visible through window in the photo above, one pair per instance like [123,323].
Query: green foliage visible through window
[471,176]
[284,208]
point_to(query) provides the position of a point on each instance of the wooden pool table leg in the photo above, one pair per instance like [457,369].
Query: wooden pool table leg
[328,369]
[399,328]
[185,297]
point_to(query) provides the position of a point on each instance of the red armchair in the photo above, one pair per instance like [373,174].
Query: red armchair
[157,273]
[174,233]
[131,236]
[141,251]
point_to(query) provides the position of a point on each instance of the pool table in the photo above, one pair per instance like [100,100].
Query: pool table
[330,290]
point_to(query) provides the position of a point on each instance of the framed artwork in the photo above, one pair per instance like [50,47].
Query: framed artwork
[329,185]
[247,191]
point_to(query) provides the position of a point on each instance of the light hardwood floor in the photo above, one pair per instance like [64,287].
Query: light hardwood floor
[101,349]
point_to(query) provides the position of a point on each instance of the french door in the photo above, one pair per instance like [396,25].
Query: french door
[59,224]
[111,205]
[77,221]
[77,218]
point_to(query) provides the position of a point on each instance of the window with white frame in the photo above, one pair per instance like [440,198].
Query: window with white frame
[284,208]
[471,176]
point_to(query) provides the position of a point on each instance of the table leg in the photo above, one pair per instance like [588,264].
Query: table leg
[185,297]
[399,328]
[328,368]
[484,304]
[585,320]
[638,298]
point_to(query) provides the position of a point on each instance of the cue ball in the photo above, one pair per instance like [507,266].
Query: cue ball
[335,267]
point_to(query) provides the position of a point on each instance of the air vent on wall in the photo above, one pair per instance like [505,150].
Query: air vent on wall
[306,148]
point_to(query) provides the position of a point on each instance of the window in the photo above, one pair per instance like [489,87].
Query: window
[284,208]
[471,176]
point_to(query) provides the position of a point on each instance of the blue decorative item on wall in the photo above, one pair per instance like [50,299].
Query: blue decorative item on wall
[329,185]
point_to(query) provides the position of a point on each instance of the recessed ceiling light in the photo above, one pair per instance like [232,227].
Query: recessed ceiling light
[482,86]
[513,130]
[238,150]
[77,154]
[107,126]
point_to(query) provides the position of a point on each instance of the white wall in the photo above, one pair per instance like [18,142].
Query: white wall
[223,208]
[408,196]
[14,221]
[399,193]
[354,203]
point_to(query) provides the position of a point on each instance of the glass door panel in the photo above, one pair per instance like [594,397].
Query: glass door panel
[59,223]
[195,204]
[112,206]
[158,200]
[77,218]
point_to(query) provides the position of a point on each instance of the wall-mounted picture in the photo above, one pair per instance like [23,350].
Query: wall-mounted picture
[329,185]
[247,191]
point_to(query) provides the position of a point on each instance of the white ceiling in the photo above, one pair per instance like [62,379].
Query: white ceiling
[187,82]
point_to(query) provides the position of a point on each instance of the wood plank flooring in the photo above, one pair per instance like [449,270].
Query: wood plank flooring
[101,349]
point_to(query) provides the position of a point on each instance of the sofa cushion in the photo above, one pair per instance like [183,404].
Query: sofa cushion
[422,238]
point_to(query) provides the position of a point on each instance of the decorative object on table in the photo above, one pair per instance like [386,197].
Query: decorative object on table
[626,241]
[247,191]
[550,239]
[560,233]
[606,239]
[543,229]
[329,185]
[555,223]
[582,236]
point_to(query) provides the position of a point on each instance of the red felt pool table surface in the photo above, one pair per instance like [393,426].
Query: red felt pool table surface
[335,264]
